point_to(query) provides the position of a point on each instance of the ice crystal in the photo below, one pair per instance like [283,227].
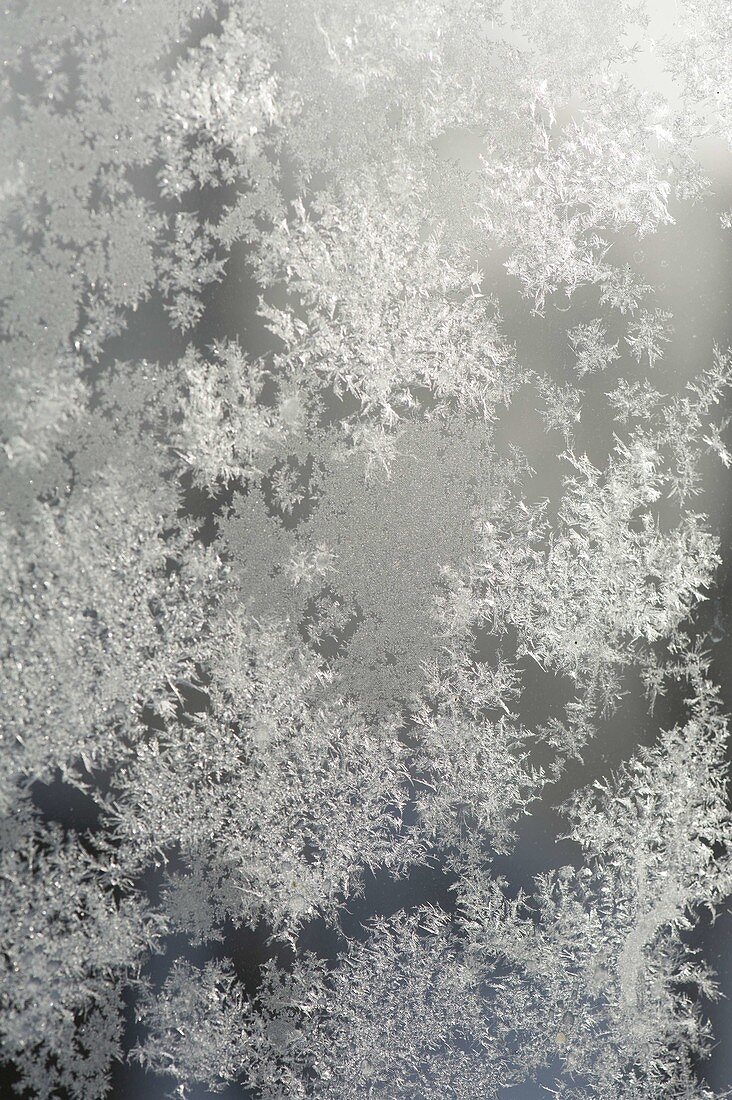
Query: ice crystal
[347,443]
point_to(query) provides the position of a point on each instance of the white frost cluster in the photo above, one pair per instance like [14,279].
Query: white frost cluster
[348,443]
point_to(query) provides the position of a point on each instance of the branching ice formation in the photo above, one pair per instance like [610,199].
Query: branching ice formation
[356,475]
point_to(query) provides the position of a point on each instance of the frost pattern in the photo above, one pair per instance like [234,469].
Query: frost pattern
[320,581]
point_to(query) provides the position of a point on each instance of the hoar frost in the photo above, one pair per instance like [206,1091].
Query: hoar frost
[354,493]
